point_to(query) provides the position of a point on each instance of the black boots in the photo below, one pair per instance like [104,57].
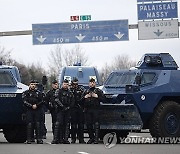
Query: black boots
[66,136]
[29,133]
[81,133]
[93,138]
[60,134]
[96,127]
[38,133]
[82,141]
[56,133]
[73,133]
[91,134]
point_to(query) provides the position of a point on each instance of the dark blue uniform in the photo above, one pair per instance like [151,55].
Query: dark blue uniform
[77,115]
[91,106]
[33,116]
[64,101]
[51,105]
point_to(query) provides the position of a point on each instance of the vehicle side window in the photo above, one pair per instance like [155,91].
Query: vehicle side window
[147,77]
[114,80]
[6,79]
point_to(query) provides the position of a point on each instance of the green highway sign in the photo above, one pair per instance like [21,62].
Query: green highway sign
[85,17]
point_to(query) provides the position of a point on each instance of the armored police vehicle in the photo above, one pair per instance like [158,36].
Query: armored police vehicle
[83,73]
[147,97]
[11,105]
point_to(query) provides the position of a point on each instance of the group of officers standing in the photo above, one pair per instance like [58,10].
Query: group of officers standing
[71,106]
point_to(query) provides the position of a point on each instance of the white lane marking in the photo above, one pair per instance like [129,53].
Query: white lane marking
[83,153]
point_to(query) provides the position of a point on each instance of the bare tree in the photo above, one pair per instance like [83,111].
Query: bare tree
[5,56]
[36,71]
[105,71]
[74,56]
[33,71]
[119,62]
[55,60]
[24,72]
[67,57]
[122,62]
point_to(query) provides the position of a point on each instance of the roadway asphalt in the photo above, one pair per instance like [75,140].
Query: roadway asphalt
[47,148]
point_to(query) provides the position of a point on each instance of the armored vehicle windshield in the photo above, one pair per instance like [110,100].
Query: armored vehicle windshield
[6,79]
[120,79]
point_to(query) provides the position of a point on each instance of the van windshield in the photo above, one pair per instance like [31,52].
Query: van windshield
[6,79]
[121,79]
[83,74]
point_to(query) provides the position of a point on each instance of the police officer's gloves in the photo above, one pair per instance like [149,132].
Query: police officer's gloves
[87,96]
[91,95]
[34,106]
[94,95]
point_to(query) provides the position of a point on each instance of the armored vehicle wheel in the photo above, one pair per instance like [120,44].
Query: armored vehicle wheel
[166,120]
[15,134]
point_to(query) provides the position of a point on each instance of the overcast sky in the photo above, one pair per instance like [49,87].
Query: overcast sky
[21,14]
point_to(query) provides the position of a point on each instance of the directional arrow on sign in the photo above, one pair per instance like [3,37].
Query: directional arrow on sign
[80,37]
[41,39]
[158,33]
[152,30]
[80,32]
[119,35]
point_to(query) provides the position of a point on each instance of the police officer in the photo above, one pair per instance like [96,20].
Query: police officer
[77,115]
[50,102]
[64,100]
[32,99]
[93,96]
[40,87]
